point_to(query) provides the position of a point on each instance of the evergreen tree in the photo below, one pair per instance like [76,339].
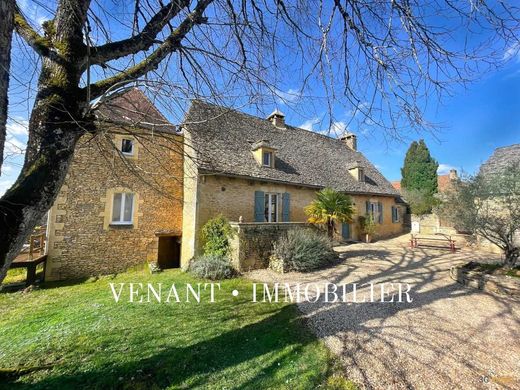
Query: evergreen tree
[419,178]
[420,169]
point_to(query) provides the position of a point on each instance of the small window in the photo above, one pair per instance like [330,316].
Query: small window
[127,146]
[271,207]
[123,208]
[267,159]
[395,214]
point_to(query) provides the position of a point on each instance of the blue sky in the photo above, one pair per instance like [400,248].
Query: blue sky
[471,123]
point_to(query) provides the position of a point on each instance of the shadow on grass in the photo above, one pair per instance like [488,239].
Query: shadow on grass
[280,335]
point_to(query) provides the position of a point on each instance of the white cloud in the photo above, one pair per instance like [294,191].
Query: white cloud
[5,185]
[512,51]
[13,146]
[291,96]
[17,126]
[444,169]
[309,124]
[338,127]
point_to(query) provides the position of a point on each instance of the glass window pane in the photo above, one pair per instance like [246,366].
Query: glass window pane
[116,208]
[267,158]
[129,201]
[127,146]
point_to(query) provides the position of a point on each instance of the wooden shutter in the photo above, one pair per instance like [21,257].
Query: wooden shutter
[259,206]
[345,231]
[367,203]
[380,209]
[286,206]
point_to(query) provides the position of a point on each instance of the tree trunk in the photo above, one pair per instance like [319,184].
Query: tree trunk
[330,229]
[511,259]
[6,33]
[55,126]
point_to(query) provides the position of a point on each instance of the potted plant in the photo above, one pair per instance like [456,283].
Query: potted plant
[368,226]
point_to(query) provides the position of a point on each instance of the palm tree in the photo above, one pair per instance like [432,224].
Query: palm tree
[328,207]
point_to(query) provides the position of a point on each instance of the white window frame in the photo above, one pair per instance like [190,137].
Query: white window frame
[131,153]
[374,210]
[270,154]
[122,209]
[270,196]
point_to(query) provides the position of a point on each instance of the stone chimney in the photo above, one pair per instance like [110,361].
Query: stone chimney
[453,175]
[350,140]
[277,118]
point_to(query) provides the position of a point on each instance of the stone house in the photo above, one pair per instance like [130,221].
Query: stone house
[259,173]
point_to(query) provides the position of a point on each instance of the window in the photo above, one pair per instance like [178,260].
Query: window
[122,208]
[267,158]
[271,207]
[395,214]
[376,210]
[127,146]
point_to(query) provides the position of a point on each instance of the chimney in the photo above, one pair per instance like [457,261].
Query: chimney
[277,118]
[350,140]
[453,175]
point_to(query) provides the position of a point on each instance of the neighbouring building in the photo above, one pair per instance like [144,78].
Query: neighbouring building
[144,190]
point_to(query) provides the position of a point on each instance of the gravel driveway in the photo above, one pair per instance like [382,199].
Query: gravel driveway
[448,337]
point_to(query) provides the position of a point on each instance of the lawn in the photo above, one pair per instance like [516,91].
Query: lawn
[76,336]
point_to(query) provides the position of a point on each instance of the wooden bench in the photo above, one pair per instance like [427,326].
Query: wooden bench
[31,265]
[32,258]
[432,241]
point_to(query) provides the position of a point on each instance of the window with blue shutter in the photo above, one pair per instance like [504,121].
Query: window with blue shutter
[380,209]
[286,206]
[259,206]
[395,214]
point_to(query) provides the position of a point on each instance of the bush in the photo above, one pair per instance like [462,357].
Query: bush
[302,250]
[215,234]
[212,267]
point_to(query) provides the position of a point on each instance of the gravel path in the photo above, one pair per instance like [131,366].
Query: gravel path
[449,337]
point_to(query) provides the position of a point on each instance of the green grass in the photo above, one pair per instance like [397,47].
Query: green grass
[86,340]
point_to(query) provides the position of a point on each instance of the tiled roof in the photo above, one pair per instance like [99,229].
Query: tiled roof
[443,183]
[501,159]
[133,108]
[222,140]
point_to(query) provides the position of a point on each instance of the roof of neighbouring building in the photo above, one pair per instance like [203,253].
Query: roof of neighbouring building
[222,140]
[443,183]
[501,159]
[132,107]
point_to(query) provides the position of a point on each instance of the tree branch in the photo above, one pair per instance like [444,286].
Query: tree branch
[41,45]
[171,44]
[142,41]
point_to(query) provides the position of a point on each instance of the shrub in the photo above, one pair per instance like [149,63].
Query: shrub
[302,250]
[212,267]
[215,234]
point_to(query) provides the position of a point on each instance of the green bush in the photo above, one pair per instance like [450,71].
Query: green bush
[303,250]
[215,235]
[212,267]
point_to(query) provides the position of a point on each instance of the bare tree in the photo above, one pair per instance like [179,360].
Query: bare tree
[6,33]
[488,205]
[378,58]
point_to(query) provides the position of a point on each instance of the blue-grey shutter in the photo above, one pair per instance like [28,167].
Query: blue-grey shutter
[286,206]
[259,206]
[368,206]
[345,231]
[380,208]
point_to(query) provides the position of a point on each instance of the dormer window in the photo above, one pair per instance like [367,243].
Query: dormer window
[264,153]
[357,171]
[267,158]
[127,146]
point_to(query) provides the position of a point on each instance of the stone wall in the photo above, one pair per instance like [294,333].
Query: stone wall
[213,194]
[253,242]
[81,240]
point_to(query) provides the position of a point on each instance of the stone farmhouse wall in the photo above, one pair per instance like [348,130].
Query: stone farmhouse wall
[209,195]
[253,243]
[81,240]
